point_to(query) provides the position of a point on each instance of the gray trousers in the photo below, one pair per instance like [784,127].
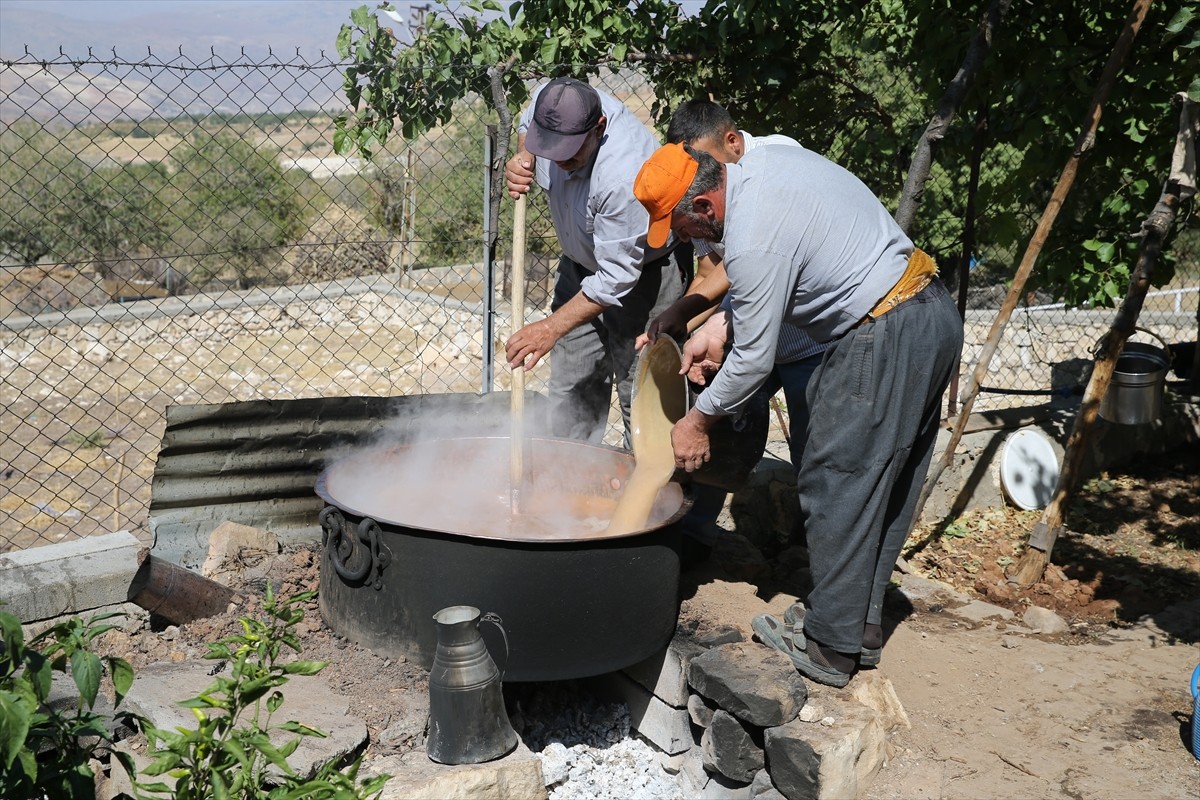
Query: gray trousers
[586,362]
[874,405]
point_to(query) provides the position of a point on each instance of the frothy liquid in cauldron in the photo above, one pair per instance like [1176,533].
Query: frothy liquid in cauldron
[462,486]
[573,491]
[659,401]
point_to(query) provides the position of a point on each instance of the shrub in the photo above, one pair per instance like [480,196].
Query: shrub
[229,753]
[45,750]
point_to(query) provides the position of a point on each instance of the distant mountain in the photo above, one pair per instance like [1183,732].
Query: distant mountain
[164,64]
[308,25]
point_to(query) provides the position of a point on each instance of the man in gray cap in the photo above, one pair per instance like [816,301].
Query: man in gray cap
[584,148]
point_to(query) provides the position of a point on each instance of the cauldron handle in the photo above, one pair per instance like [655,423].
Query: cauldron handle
[333,533]
[499,623]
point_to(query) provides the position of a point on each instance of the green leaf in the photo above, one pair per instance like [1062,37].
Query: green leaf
[244,758]
[1181,20]
[86,670]
[29,763]
[1105,252]
[202,701]
[163,762]
[126,762]
[276,757]
[343,42]
[303,730]
[360,15]
[14,643]
[219,787]
[122,677]
[304,667]
[14,727]
[340,135]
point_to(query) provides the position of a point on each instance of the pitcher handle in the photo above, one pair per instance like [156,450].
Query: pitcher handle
[499,623]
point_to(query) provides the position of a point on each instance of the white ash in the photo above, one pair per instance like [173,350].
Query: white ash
[586,747]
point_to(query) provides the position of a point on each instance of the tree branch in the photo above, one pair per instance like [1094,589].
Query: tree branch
[918,173]
[504,134]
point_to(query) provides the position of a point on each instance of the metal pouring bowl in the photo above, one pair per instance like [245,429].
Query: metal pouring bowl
[735,445]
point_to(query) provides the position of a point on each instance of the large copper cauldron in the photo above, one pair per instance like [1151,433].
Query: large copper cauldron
[412,529]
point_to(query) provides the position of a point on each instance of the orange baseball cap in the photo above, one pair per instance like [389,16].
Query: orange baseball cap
[660,184]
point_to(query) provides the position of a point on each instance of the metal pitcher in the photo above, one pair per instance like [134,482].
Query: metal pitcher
[467,720]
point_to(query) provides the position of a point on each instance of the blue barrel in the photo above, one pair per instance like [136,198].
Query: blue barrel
[1195,684]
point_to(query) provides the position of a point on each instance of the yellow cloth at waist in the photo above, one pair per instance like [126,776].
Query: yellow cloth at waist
[917,275]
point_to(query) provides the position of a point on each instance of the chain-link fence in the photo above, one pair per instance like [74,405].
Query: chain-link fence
[180,231]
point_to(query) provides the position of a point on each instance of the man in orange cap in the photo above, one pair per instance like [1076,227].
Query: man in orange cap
[706,125]
[806,241]
[584,148]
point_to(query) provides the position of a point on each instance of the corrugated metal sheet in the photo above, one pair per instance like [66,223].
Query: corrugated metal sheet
[257,462]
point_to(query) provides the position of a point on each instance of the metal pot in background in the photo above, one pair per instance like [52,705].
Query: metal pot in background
[1135,394]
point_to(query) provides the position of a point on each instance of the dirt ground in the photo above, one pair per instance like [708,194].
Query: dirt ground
[1101,711]
[997,710]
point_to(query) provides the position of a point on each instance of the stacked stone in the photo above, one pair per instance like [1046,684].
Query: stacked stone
[735,720]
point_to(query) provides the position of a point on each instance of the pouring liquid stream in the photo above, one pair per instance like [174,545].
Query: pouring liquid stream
[659,401]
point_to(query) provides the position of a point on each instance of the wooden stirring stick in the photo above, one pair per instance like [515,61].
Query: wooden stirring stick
[517,435]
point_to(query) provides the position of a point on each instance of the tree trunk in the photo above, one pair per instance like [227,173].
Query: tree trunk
[1155,229]
[978,144]
[1082,146]
[918,171]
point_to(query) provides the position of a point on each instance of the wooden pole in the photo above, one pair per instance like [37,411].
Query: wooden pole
[1155,229]
[1083,145]
[517,437]
[117,492]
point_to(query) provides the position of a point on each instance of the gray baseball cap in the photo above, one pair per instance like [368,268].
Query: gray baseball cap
[565,111]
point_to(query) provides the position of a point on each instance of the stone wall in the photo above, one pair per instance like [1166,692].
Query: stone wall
[736,720]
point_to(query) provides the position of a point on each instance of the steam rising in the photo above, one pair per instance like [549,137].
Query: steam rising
[445,466]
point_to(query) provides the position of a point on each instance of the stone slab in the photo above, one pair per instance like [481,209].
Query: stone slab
[827,760]
[666,727]
[517,776]
[665,673]
[307,699]
[69,577]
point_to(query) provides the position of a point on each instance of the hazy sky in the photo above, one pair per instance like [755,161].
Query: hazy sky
[47,25]
[118,9]
[123,9]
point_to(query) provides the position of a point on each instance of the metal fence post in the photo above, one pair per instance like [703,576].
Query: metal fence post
[489,262]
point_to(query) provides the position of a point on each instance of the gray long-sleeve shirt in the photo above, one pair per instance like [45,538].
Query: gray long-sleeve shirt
[805,241]
[794,343]
[600,224]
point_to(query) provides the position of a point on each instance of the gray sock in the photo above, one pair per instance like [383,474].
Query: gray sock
[872,636]
[829,658]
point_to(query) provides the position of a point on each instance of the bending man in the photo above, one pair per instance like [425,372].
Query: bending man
[806,241]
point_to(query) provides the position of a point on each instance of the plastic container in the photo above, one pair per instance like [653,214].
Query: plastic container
[1195,684]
